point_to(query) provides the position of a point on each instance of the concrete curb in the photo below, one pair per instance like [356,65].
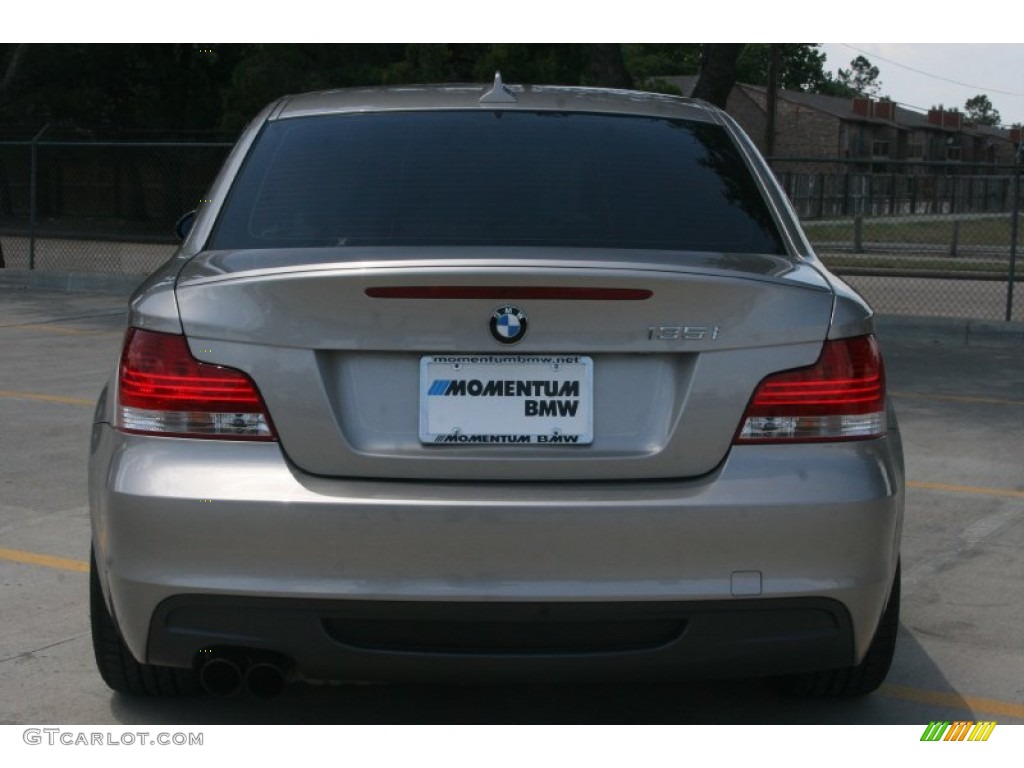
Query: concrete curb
[933,330]
[950,330]
[71,282]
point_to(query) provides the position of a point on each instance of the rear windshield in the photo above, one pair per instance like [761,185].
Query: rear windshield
[496,178]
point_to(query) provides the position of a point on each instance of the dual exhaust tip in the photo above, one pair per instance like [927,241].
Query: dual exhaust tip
[226,672]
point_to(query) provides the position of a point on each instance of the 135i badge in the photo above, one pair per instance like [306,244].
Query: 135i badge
[508,324]
[682,332]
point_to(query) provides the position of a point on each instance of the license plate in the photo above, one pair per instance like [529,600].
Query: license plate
[506,400]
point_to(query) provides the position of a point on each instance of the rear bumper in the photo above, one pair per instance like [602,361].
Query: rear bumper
[358,640]
[183,525]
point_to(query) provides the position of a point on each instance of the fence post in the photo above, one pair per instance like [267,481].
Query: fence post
[956,237]
[1014,229]
[33,187]
[858,234]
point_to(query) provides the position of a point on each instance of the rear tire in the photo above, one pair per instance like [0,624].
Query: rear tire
[862,678]
[117,666]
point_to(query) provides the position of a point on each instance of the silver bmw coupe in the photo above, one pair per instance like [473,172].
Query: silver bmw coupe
[494,382]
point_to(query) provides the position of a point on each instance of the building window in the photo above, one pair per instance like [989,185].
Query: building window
[880,149]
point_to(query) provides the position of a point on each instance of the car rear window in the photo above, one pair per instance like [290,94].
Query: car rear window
[496,178]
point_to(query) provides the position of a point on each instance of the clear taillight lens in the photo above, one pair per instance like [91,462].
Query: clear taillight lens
[163,390]
[841,397]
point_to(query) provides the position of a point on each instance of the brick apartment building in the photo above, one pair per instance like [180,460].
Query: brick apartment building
[811,126]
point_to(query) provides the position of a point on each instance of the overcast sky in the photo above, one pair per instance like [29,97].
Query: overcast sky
[923,75]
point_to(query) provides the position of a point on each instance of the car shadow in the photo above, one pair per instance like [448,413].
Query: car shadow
[741,702]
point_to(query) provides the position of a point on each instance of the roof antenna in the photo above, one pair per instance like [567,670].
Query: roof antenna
[498,94]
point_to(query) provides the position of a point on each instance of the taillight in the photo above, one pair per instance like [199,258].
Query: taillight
[163,390]
[841,397]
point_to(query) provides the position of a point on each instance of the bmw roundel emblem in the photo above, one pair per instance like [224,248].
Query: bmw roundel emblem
[508,325]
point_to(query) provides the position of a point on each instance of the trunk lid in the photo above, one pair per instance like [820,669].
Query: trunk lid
[345,352]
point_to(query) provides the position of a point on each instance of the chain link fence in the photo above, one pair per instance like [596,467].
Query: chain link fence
[98,206]
[914,238]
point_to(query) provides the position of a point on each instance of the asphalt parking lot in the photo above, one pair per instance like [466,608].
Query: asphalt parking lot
[960,654]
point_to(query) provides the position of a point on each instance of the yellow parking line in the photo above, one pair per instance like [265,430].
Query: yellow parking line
[1004,492]
[959,398]
[46,398]
[48,561]
[953,700]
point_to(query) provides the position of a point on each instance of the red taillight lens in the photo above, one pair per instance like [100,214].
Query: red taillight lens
[163,390]
[841,397]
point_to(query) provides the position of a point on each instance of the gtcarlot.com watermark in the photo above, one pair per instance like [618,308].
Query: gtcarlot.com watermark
[71,738]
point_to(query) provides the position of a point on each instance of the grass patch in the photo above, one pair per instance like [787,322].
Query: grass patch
[923,264]
[990,231]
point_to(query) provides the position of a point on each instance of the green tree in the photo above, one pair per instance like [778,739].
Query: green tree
[171,90]
[606,66]
[801,65]
[268,71]
[861,77]
[648,63]
[13,59]
[979,110]
[717,72]
[115,90]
